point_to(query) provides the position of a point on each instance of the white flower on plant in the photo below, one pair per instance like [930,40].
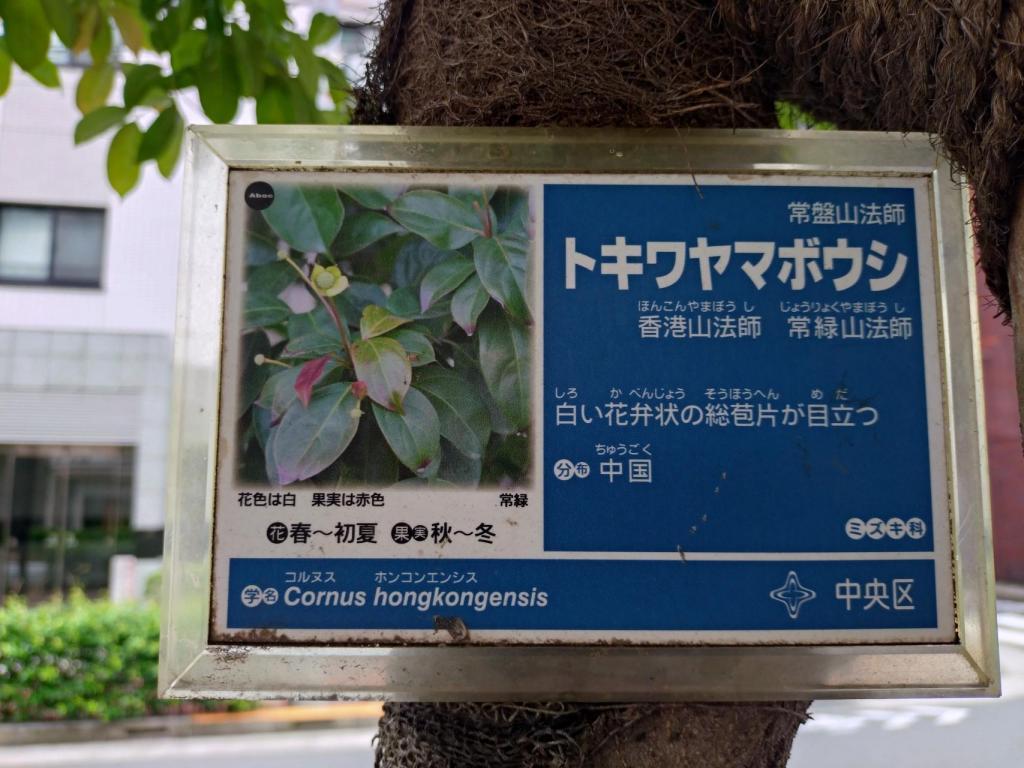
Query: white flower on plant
[328,281]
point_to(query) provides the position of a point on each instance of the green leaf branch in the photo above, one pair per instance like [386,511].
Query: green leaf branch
[227,50]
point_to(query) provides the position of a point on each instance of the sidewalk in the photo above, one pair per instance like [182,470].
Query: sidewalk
[270,718]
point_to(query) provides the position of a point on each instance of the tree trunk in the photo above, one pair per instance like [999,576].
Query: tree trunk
[552,735]
[949,67]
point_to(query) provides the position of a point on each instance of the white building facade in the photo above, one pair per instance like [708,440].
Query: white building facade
[87,311]
[87,302]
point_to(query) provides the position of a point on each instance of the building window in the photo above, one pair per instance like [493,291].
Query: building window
[51,246]
[63,56]
[64,512]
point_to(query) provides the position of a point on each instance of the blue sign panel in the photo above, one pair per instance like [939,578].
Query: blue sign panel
[676,410]
[627,595]
[736,370]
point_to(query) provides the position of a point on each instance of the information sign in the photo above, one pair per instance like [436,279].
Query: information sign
[577,415]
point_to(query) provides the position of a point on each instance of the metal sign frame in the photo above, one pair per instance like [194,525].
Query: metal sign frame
[193,666]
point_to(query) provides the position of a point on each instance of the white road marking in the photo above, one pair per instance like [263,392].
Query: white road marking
[1014,620]
[1011,637]
[899,717]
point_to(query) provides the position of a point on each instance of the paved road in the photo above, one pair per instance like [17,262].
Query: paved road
[927,733]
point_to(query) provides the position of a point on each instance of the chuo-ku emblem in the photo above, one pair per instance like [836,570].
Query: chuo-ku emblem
[793,594]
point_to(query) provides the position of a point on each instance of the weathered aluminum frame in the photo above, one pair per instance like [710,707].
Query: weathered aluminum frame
[190,666]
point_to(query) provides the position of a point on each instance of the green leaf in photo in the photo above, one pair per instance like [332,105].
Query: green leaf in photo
[444,278]
[469,195]
[457,468]
[254,376]
[307,218]
[507,459]
[444,221]
[263,310]
[376,321]
[310,438]
[417,347]
[410,483]
[362,294]
[278,392]
[501,266]
[414,435]
[259,250]
[404,303]
[270,278]
[270,463]
[312,334]
[415,257]
[505,362]
[262,421]
[123,159]
[369,459]
[373,198]
[463,415]
[468,302]
[375,263]
[356,298]
[512,208]
[363,229]
[464,359]
[382,365]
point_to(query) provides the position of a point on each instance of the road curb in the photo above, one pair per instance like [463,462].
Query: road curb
[267,719]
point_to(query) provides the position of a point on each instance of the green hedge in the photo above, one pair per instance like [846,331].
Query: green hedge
[83,659]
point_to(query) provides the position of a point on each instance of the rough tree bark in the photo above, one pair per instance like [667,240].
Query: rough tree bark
[561,735]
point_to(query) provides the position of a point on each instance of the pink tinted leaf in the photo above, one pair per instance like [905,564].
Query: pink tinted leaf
[308,377]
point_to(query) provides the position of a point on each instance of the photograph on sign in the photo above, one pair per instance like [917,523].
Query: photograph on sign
[520,409]
[321,346]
